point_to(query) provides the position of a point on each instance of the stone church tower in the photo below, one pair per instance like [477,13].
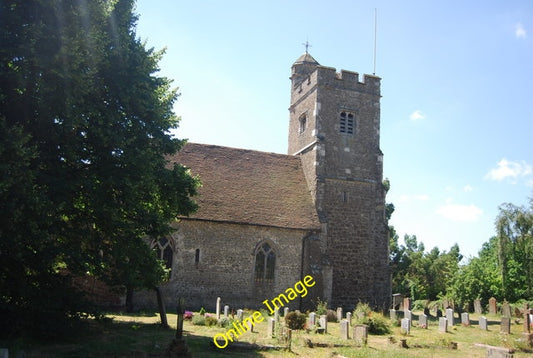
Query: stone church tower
[334,128]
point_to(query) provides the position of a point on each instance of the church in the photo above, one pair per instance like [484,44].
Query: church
[266,220]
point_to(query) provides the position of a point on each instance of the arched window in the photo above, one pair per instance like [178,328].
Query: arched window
[265,263]
[303,123]
[164,251]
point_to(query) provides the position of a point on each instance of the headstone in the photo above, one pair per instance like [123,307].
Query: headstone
[406,304]
[323,323]
[493,306]
[499,352]
[312,319]
[505,325]
[449,316]
[409,315]
[271,327]
[423,321]
[406,326]
[226,311]
[527,321]
[218,308]
[339,314]
[506,309]
[276,314]
[345,329]
[239,315]
[4,353]
[349,317]
[465,319]
[397,301]
[249,324]
[483,323]
[360,334]
[477,307]
[443,324]
[285,311]
[392,314]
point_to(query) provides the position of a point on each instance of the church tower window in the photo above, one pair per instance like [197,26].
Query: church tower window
[163,251]
[346,122]
[303,123]
[265,263]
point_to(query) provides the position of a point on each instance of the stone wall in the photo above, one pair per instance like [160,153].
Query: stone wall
[226,265]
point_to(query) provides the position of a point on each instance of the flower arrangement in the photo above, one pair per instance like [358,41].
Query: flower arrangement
[188,315]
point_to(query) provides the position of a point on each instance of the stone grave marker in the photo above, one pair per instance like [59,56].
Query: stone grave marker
[506,309]
[312,319]
[345,329]
[271,327]
[276,314]
[406,326]
[408,314]
[527,321]
[423,321]
[218,308]
[443,324]
[226,311]
[465,319]
[483,323]
[406,304]
[397,301]
[477,307]
[493,306]
[285,311]
[239,315]
[339,314]
[392,314]
[449,316]
[323,323]
[505,325]
[360,334]
[249,324]
[349,317]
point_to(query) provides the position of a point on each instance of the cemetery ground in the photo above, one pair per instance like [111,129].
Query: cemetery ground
[140,335]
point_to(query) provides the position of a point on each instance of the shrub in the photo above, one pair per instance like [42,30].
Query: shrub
[321,307]
[202,311]
[295,320]
[198,320]
[224,322]
[210,321]
[331,316]
[376,322]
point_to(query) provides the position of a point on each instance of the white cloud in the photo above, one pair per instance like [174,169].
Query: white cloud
[422,197]
[520,31]
[456,212]
[512,170]
[417,115]
[468,188]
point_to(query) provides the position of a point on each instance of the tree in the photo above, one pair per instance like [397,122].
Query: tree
[85,126]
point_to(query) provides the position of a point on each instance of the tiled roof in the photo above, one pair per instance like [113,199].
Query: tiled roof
[250,187]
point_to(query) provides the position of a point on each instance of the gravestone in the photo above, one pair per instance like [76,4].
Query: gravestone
[239,315]
[312,319]
[449,316]
[505,325]
[483,323]
[285,311]
[477,307]
[271,327]
[527,321]
[465,319]
[397,301]
[406,326]
[443,324]
[323,323]
[423,321]
[360,334]
[345,329]
[506,309]
[392,314]
[493,306]
[406,304]
[408,314]
[218,308]
[349,317]
[339,314]
[226,311]
[249,324]
[276,314]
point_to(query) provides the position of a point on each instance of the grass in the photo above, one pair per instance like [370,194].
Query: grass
[121,335]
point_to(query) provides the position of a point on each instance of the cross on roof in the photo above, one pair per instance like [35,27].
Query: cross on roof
[307,45]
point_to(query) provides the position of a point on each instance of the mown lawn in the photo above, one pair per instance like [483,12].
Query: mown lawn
[122,335]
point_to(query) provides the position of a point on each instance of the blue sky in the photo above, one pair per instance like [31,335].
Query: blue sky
[457,87]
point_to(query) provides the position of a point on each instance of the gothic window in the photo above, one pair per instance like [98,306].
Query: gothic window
[347,122]
[163,251]
[303,123]
[265,263]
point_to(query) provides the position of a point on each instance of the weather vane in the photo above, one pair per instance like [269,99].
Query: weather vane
[307,45]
